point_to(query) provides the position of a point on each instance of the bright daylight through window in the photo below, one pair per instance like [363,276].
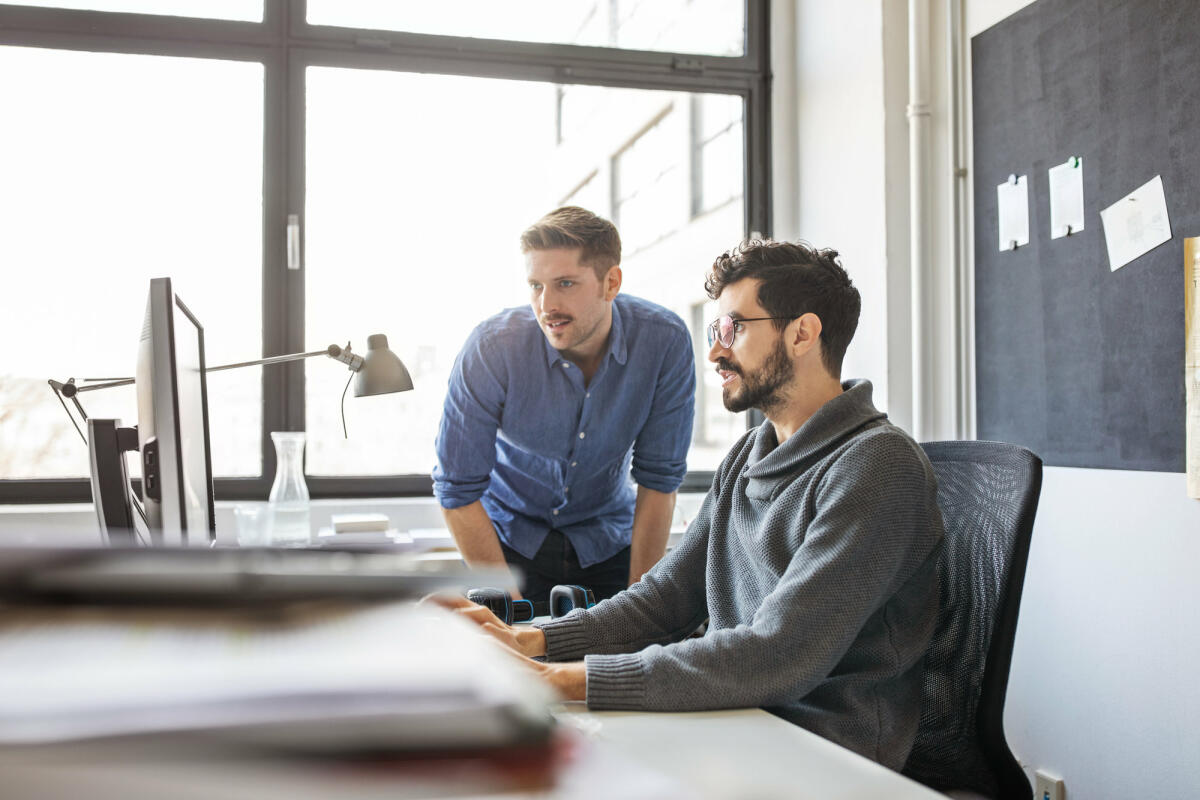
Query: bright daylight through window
[427,211]
[413,143]
[125,168]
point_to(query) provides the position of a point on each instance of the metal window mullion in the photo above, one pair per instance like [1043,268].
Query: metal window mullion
[275,310]
[346,38]
[623,75]
[31,23]
[45,490]
[576,64]
[695,158]
[293,280]
[757,136]
[128,45]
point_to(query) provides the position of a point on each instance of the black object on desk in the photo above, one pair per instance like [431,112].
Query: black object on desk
[219,577]
[563,600]
[501,603]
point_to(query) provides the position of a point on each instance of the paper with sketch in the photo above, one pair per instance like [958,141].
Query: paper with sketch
[1066,198]
[1136,224]
[1191,372]
[1012,203]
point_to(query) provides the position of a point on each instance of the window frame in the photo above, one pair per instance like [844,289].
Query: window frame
[286,45]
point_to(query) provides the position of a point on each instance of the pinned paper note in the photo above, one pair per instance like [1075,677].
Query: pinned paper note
[1136,224]
[1012,202]
[1066,198]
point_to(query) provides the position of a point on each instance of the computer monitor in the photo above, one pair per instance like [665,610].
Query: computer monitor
[172,399]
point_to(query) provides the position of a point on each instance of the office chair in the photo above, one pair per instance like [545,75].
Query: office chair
[988,495]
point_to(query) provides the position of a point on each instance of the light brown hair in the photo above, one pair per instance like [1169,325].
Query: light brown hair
[575,228]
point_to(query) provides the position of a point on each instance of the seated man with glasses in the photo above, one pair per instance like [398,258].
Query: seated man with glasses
[813,558]
[553,406]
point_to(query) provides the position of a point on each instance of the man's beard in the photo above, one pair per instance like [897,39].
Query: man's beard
[761,389]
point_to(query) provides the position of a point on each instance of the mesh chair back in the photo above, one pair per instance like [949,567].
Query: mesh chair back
[988,495]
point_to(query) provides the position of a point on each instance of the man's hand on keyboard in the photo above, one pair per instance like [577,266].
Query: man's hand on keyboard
[525,640]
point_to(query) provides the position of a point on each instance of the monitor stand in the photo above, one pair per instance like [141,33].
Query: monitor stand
[112,495]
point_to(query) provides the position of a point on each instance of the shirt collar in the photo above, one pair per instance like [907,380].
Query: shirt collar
[616,341]
[853,409]
[616,337]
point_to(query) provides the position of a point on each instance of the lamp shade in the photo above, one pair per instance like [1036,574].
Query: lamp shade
[382,371]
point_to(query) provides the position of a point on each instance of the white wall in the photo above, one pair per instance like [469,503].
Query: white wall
[828,102]
[1103,689]
[1103,685]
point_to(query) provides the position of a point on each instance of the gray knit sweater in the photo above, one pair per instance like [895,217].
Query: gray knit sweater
[815,563]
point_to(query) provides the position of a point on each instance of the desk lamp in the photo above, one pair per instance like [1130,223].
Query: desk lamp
[380,372]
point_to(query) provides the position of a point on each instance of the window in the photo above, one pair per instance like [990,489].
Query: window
[119,168]
[717,154]
[433,231]
[149,144]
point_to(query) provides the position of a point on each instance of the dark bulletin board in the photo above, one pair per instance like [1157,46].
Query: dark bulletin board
[1078,363]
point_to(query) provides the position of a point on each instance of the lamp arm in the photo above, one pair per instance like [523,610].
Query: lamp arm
[270,360]
[343,354]
[70,389]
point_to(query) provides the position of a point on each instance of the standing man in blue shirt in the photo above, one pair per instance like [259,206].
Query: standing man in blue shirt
[552,407]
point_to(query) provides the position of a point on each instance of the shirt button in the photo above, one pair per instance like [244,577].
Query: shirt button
[555,512]
[589,394]
[574,463]
[566,365]
[582,434]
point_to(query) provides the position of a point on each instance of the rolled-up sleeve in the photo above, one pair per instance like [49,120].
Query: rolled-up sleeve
[660,450]
[466,440]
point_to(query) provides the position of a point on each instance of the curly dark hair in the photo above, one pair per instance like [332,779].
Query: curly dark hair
[796,279]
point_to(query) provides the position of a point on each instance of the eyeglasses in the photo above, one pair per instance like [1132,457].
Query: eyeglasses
[724,328]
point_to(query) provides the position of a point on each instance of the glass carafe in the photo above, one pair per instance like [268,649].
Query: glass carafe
[289,492]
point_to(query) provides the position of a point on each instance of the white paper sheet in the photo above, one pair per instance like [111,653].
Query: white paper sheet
[1066,198]
[1136,224]
[1012,203]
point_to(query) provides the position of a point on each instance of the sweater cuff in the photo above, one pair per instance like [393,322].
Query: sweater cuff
[566,638]
[616,683]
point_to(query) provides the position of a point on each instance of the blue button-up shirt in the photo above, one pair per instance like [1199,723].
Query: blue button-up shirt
[522,433]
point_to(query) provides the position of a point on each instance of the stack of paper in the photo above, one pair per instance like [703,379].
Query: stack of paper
[318,677]
[392,538]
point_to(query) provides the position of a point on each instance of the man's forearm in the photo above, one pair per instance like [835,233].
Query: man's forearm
[651,528]
[474,535]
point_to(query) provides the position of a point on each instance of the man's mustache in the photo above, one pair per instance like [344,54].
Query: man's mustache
[723,364]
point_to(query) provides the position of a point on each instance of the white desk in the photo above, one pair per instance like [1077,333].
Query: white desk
[742,754]
[610,756]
